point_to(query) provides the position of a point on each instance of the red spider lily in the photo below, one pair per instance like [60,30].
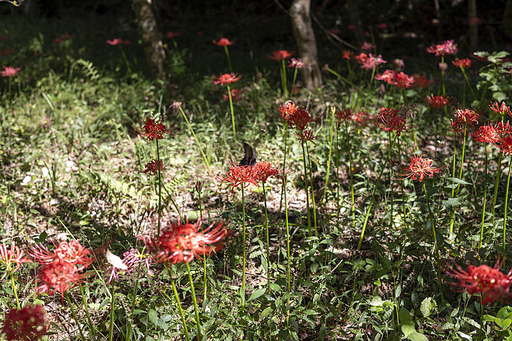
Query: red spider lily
[392,121]
[388,76]
[421,81]
[404,81]
[118,41]
[225,79]
[72,253]
[300,119]
[281,55]
[506,146]
[488,134]
[343,115]
[437,101]
[172,35]
[502,110]
[369,61]
[152,167]
[182,243]
[448,47]
[240,175]
[264,170]
[14,255]
[463,118]
[503,129]
[399,63]
[60,267]
[130,261]
[288,109]
[362,118]
[25,324]
[490,282]
[462,63]
[296,64]
[306,135]
[153,130]
[347,54]
[9,71]
[223,42]
[367,46]
[236,95]
[421,168]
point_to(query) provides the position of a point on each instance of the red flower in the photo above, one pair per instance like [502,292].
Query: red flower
[437,101]
[26,324]
[448,47]
[388,76]
[506,146]
[62,266]
[502,110]
[153,129]
[9,71]
[181,243]
[463,118]
[225,79]
[306,135]
[392,121]
[296,63]
[421,81]
[172,35]
[343,115]
[420,168]
[488,134]
[404,81]
[223,42]
[281,55]
[264,170]
[288,109]
[240,175]
[490,282]
[346,54]
[153,166]
[118,41]
[462,63]
[14,255]
[366,46]
[236,95]
[300,119]
[362,118]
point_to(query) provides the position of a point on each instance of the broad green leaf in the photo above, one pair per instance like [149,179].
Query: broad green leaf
[415,336]
[265,313]
[427,306]
[458,181]
[153,317]
[407,323]
[256,294]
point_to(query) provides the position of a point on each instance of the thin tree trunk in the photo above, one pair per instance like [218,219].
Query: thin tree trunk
[473,27]
[151,37]
[305,37]
[355,20]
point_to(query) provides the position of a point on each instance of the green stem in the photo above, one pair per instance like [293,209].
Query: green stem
[312,192]
[126,60]
[232,112]
[196,310]
[343,78]
[306,186]
[86,308]
[285,137]
[506,204]
[195,138]
[469,84]
[288,253]
[242,293]
[268,237]
[112,311]
[159,186]
[283,78]
[485,201]
[352,194]
[294,79]
[436,254]
[330,155]
[372,199]
[182,314]
[229,59]
[13,285]
[74,315]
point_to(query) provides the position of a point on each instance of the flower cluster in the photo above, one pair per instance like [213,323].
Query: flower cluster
[236,95]
[152,167]
[183,242]
[225,79]
[129,263]
[61,268]
[399,79]
[462,63]
[369,61]
[118,41]
[296,63]
[25,324]
[281,55]
[223,42]
[62,38]
[420,168]
[502,109]
[448,47]
[491,283]
[9,71]
[366,46]
[347,54]
[463,118]
[153,130]
[437,101]
[12,256]
[392,121]
[298,118]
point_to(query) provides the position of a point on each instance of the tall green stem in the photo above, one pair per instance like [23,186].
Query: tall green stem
[195,138]
[333,110]
[506,203]
[159,185]
[436,247]
[242,293]
[232,111]
[485,201]
[229,59]
[74,316]
[268,237]
[306,185]
[196,310]
[177,297]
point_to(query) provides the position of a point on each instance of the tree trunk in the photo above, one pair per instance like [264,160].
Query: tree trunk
[305,37]
[507,18]
[473,27]
[151,37]
[355,20]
